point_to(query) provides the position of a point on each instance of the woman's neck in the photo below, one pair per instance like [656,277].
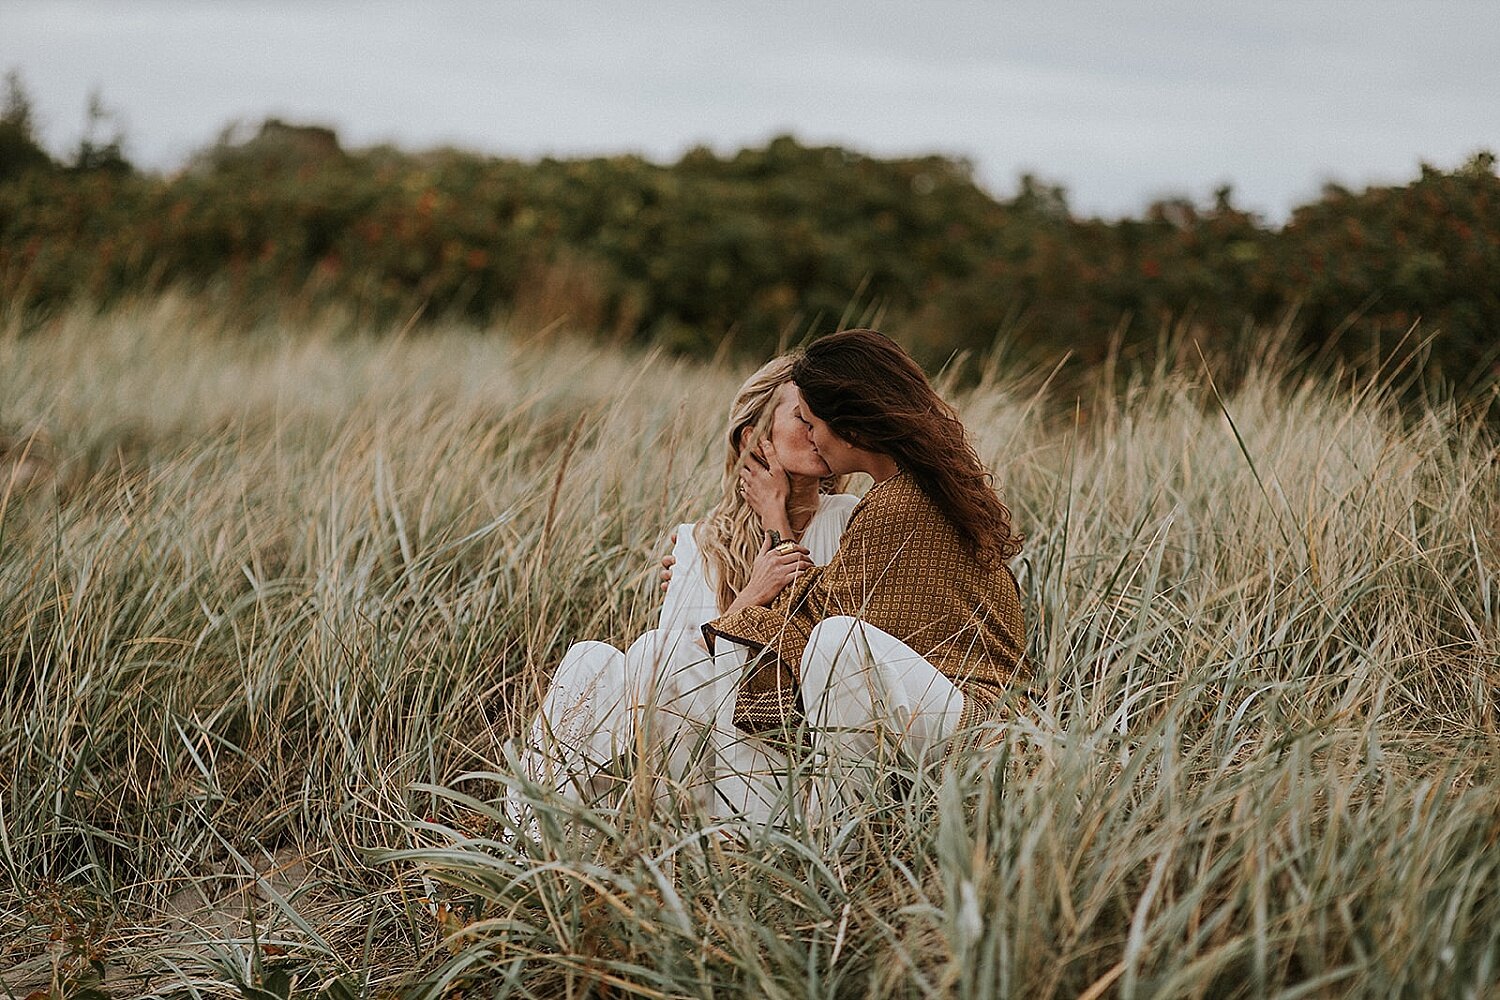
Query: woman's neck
[801,502]
[878,467]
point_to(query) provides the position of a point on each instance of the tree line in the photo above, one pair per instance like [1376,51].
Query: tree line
[742,252]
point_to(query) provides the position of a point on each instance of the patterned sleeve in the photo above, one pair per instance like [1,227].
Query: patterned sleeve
[872,568]
[778,626]
[878,534]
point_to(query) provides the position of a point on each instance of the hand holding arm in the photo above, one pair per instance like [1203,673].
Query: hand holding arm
[667,562]
[773,570]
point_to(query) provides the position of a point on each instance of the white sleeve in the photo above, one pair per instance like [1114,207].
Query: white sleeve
[690,600]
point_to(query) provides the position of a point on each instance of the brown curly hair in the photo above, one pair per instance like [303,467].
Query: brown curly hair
[872,394]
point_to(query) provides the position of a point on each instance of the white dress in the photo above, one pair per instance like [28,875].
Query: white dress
[666,700]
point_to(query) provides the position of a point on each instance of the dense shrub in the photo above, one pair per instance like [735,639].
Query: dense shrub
[758,246]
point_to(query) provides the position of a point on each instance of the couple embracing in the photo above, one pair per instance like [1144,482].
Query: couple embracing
[809,640]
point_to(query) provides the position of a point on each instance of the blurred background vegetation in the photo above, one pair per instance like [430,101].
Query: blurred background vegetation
[738,254]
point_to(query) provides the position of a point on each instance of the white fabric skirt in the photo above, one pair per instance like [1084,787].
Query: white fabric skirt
[871,703]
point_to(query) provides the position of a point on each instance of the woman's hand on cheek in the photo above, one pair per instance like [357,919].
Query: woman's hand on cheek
[766,488]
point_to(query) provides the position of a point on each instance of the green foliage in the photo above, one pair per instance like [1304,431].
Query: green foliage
[754,248]
[1429,251]
[102,145]
[20,152]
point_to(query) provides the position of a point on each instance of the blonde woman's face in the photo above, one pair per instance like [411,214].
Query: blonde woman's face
[789,433]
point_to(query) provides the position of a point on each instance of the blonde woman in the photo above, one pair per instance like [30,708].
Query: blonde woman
[664,698]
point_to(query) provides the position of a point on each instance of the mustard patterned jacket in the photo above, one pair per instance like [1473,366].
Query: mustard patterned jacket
[902,567]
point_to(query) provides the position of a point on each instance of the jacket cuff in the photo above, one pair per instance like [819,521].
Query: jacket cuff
[754,627]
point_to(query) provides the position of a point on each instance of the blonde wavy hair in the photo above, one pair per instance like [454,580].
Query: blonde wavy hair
[730,536]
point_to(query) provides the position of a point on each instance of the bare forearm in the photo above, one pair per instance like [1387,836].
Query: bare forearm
[779,523]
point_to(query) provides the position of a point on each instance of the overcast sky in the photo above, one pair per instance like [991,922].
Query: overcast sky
[1119,102]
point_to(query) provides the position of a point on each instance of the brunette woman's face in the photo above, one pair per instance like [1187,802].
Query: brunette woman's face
[789,433]
[840,456]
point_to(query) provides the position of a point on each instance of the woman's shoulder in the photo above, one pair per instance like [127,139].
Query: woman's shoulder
[837,502]
[833,513]
[822,534]
[687,536]
[896,507]
[896,493]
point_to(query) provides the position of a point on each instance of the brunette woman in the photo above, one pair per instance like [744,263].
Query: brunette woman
[914,630]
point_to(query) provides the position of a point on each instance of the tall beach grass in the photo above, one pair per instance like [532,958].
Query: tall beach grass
[273,604]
